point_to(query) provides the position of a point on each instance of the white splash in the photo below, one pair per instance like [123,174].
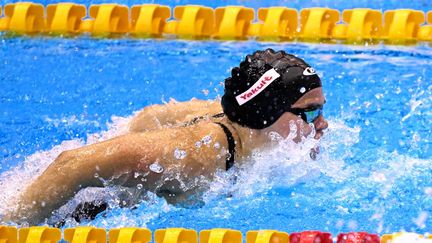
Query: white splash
[156,167]
[287,163]
[15,181]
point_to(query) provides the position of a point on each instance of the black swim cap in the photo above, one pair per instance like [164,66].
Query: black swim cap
[266,85]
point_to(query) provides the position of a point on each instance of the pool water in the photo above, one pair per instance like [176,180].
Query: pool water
[373,172]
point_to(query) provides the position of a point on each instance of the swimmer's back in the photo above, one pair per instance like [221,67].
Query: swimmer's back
[159,116]
[187,152]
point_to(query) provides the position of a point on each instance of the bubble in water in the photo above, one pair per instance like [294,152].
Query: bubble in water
[206,140]
[156,167]
[139,186]
[179,154]
[198,144]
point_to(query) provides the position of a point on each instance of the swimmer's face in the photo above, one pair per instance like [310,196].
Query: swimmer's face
[310,100]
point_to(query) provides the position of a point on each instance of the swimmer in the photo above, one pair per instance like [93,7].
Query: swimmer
[179,142]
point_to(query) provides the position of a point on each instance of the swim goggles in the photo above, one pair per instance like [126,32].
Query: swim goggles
[308,115]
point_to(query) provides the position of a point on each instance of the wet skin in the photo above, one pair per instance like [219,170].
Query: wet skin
[142,146]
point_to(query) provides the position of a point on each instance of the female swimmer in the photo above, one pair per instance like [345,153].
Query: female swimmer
[263,95]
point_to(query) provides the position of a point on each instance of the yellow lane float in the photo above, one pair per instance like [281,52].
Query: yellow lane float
[192,21]
[8,234]
[361,24]
[65,18]
[233,22]
[23,17]
[129,235]
[425,31]
[220,236]
[317,23]
[267,236]
[404,237]
[149,19]
[85,235]
[39,234]
[275,23]
[107,19]
[402,25]
[175,235]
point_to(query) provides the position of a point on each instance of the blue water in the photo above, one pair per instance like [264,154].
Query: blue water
[373,173]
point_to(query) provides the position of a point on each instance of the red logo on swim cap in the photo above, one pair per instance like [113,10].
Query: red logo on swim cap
[265,80]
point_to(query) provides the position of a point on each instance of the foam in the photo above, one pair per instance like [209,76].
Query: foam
[12,181]
[288,163]
[284,166]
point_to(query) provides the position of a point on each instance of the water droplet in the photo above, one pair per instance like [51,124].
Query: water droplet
[205,92]
[206,140]
[216,145]
[139,186]
[156,167]
[179,154]
[198,144]
[302,90]
[96,175]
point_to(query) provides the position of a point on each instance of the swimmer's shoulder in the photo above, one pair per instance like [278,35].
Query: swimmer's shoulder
[201,147]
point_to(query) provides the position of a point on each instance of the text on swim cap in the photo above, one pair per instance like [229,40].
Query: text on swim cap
[265,80]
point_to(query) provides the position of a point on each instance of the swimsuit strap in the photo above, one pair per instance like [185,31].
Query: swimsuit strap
[199,118]
[219,115]
[231,146]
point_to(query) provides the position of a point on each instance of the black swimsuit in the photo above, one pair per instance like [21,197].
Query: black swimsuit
[231,142]
[231,146]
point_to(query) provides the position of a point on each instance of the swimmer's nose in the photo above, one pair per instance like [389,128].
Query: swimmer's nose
[320,124]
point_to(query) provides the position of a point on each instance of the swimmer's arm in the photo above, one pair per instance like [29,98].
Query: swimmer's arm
[71,171]
[76,169]
[158,116]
